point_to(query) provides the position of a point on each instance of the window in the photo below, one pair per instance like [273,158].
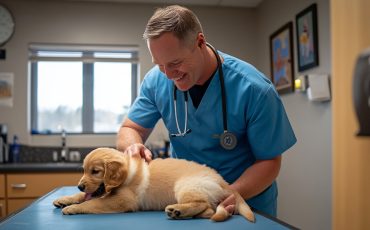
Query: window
[81,89]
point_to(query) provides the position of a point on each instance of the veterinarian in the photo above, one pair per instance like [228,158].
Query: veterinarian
[219,110]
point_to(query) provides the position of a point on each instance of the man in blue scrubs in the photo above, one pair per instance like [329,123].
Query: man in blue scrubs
[254,112]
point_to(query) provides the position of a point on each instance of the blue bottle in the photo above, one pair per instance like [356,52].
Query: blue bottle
[15,149]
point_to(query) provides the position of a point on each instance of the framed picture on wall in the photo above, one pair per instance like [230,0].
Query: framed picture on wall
[282,61]
[307,42]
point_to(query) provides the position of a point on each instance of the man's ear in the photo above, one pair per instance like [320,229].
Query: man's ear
[115,175]
[201,40]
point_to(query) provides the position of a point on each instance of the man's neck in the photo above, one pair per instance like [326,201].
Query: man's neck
[210,66]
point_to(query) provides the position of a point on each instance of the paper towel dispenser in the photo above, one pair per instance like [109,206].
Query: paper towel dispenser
[318,87]
[361,92]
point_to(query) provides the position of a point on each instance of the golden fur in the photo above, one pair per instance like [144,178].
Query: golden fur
[116,182]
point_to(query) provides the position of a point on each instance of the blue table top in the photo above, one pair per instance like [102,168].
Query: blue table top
[42,215]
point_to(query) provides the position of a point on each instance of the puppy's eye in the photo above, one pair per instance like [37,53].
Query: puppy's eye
[94,171]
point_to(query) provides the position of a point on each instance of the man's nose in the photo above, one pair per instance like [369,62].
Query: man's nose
[170,73]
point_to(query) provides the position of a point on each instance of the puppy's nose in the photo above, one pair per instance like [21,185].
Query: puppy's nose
[81,187]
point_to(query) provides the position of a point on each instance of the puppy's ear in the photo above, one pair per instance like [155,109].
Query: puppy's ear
[115,175]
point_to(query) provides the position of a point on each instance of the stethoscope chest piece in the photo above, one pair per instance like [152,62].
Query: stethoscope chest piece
[228,140]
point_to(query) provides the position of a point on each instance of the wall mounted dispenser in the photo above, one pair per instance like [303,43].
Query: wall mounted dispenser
[318,87]
[361,92]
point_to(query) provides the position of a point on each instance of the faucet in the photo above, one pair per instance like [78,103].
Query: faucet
[64,151]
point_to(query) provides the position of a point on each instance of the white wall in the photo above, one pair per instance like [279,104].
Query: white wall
[305,178]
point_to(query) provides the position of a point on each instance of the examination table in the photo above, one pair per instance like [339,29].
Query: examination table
[42,215]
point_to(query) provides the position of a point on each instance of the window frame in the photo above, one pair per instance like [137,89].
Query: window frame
[88,61]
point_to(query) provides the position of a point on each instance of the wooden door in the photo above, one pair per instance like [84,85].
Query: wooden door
[350,25]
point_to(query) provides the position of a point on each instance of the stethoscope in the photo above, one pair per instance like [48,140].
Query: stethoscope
[228,140]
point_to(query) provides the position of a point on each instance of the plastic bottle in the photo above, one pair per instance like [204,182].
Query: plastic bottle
[15,149]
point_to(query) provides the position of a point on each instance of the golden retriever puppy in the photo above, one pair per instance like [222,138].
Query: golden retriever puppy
[115,182]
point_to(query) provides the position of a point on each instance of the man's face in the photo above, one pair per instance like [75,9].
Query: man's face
[181,64]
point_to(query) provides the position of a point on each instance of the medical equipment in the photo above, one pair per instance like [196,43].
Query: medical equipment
[228,140]
[186,131]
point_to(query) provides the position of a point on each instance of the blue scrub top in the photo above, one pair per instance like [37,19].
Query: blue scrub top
[255,114]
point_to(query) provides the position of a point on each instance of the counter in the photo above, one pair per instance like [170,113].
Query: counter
[41,167]
[22,183]
[42,215]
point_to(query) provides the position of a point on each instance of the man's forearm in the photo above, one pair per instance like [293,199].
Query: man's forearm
[126,137]
[257,177]
[131,133]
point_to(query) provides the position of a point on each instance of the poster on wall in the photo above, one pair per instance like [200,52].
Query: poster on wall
[307,38]
[6,89]
[281,55]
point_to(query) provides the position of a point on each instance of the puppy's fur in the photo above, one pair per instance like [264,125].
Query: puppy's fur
[116,182]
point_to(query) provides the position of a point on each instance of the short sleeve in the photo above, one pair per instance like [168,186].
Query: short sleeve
[269,130]
[144,110]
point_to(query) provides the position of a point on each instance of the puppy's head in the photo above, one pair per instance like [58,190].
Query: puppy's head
[104,170]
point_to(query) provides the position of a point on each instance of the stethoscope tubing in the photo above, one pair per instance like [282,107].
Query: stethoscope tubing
[180,133]
[227,140]
[223,97]
[222,85]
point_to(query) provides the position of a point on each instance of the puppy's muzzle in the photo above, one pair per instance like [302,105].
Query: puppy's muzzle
[81,187]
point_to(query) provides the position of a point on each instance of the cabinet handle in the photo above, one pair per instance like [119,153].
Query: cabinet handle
[19,186]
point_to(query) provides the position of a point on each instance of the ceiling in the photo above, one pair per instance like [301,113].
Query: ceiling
[221,3]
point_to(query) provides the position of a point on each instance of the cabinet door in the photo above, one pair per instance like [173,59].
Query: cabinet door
[33,185]
[2,186]
[2,208]
[16,204]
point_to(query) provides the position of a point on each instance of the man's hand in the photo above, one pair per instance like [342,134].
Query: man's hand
[229,204]
[141,150]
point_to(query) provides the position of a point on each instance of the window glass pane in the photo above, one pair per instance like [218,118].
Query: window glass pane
[80,88]
[59,96]
[112,95]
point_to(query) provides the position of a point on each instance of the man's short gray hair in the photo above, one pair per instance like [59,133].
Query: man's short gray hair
[180,21]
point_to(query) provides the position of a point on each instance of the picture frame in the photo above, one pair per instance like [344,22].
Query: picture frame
[281,58]
[307,38]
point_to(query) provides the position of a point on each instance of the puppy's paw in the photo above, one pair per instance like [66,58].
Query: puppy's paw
[63,202]
[172,212]
[72,209]
[176,211]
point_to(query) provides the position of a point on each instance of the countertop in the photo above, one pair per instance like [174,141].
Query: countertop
[41,167]
[42,215]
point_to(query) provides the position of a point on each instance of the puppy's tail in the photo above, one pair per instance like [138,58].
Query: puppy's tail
[241,207]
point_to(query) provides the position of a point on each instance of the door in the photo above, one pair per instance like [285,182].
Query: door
[351,154]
